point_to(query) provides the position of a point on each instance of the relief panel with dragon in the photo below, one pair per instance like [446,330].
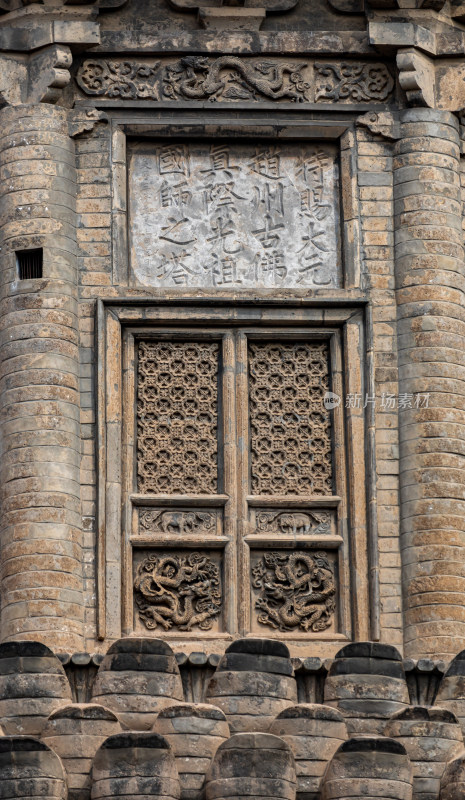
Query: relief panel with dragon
[293,592]
[177,590]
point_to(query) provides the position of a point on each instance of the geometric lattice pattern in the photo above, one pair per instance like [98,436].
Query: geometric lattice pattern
[177,417]
[290,429]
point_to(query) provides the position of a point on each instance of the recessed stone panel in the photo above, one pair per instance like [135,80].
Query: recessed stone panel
[177,590]
[294,592]
[234,215]
[289,522]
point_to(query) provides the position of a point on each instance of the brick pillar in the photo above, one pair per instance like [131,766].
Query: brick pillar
[431,345]
[41,571]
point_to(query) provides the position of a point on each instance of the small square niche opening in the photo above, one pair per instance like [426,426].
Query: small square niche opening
[29,263]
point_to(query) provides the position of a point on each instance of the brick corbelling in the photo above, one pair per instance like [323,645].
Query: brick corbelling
[41,552]
[431,357]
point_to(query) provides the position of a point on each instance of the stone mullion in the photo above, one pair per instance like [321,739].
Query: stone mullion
[429,265]
[41,547]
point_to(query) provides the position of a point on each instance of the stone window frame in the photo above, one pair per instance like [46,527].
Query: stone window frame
[347,321]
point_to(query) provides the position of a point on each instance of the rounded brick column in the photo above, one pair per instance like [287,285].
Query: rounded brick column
[431,345]
[41,571]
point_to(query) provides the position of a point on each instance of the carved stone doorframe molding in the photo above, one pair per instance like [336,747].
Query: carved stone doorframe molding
[343,321]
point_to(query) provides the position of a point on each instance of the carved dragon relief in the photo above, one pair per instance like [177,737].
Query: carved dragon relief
[176,591]
[230,78]
[296,591]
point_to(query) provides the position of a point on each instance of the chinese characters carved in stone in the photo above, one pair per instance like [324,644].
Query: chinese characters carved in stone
[295,591]
[234,215]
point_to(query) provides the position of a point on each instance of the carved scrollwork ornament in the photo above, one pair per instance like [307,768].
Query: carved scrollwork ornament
[174,591]
[296,591]
[129,80]
[359,82]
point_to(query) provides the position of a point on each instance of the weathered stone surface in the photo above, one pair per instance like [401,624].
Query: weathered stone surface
[135,764]
[366,683]
[267,238]
[75,733]
[369,767]
[252,765]
[136,679]
[453,780]
[240,142]
[28,768]
[33,684]
[451,692]
[432,737]
[314,733]
[254,692]
[424,366]
[194,732]
[47,405]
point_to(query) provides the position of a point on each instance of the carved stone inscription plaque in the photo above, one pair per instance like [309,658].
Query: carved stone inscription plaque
[237,215]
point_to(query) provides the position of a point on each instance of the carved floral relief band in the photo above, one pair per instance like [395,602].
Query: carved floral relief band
[230,79]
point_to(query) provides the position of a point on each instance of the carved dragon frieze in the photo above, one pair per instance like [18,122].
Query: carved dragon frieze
[232,79]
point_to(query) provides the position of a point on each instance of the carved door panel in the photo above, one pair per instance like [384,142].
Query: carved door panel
[236,508]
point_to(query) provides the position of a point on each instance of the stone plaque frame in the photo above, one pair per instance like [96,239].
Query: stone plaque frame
[268,124]
[344,325]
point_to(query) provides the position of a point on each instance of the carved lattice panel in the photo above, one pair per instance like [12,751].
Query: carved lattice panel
[290,429]
[177,417]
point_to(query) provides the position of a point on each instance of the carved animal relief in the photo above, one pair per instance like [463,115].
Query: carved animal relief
[180,522]
[292,522]
[177,591]
[234,215]
[233,79]
[177,417]
[290,427]
[295,591]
